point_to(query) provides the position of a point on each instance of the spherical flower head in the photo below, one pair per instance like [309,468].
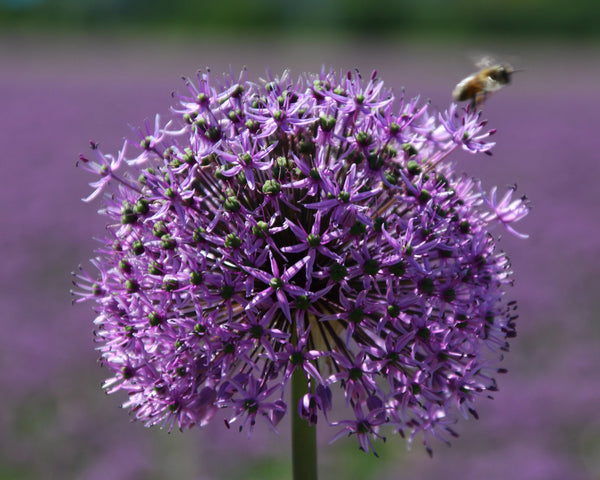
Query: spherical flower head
[313,226]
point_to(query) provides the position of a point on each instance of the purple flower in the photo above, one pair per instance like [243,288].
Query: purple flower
[507,211]
[303,226]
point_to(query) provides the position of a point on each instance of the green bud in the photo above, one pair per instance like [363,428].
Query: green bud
[128,216]
[363,138]
[232,204]
[413,167]
[391,178]
[313,240]
[124,266]
[409,149]
[167,242]
[327,122]
[398,269]
[449,295]
[227,292]
[371,267]
[195,278]
[424,196]
[170,284]
[141,206]
[344,196]
[271,187]
[198,234]
[232,241]
[131,286]
[213,134]
[137,247]
[252,125]
[424,333]
[358,229]
[159,229]
[426,285]
[260,229]
[154,268]
[337,272]
[145,143]
[154,319]
[302,302]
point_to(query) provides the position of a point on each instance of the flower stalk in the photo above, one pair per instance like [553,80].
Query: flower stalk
[304,436]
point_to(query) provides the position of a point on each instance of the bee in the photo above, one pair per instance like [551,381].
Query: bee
[477,86]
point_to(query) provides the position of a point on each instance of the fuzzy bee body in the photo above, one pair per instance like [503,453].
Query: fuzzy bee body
[477,86]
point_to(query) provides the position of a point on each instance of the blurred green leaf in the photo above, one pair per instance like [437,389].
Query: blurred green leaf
[527,18]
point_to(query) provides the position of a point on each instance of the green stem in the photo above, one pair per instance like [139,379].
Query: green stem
[304,436]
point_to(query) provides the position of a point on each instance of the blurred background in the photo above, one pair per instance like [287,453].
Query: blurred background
[78,70]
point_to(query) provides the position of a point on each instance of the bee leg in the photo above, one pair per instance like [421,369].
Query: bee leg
[479,99]
[474,104]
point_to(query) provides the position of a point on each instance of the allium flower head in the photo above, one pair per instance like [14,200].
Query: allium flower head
[312,226]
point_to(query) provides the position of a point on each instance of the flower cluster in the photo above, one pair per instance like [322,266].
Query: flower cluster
[312,226]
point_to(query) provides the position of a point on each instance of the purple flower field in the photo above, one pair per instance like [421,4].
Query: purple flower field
[58,423]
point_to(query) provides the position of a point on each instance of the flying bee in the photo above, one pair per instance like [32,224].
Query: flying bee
[477,86]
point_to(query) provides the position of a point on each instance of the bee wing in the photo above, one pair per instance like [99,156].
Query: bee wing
[485,61]
[482,60]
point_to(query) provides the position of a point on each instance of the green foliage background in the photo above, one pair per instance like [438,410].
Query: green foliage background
[510,19]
